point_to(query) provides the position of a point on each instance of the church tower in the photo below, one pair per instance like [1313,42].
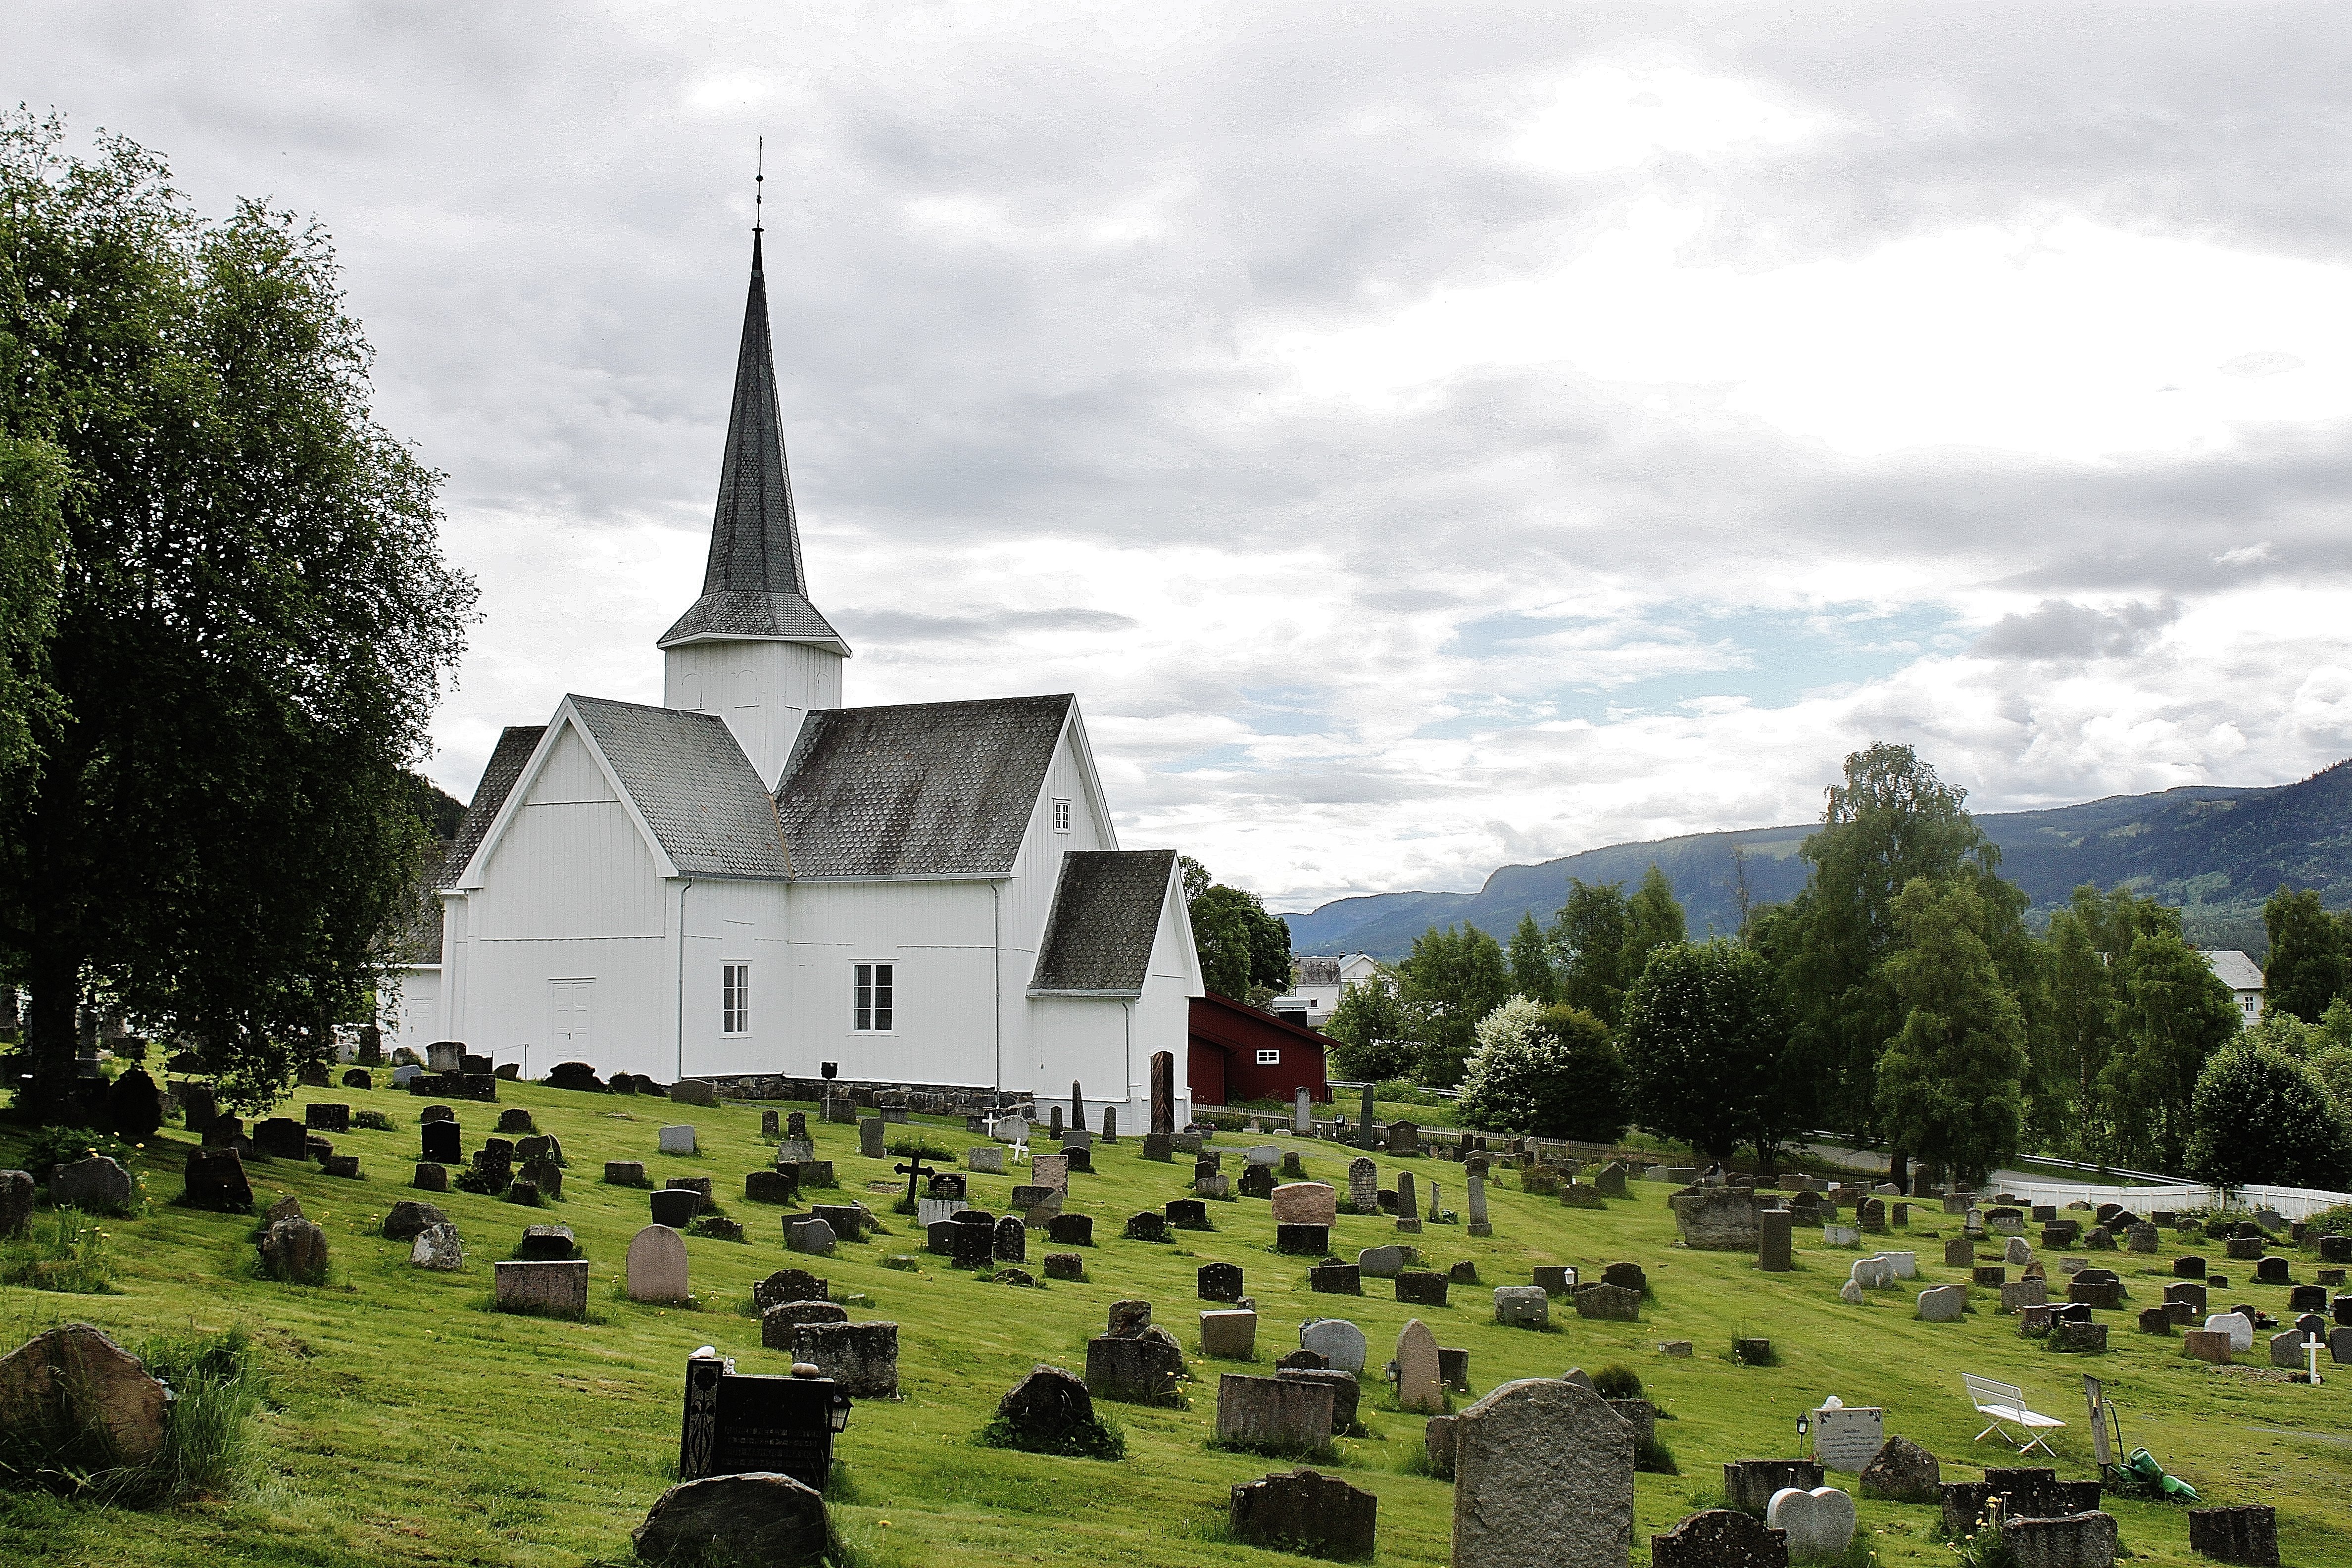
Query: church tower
[754,651]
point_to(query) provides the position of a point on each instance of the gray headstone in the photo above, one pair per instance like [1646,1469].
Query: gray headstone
[1543,1478]
[1336,1341]
[678,1139]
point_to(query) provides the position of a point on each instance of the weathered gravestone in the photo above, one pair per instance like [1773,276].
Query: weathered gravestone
[1903,1471]
[1716,1219]
[763,1517]
[656,1265]
[1773,1236]
[2247,1534]
[1335,1280]
[1719,1538]
[1420,1380]
[437,1247]
[1408,1213]
[863,1358]
[1071,1230]
[408,1217]
[1522,1306]
[554,1290]
[677,1140]
[1306,1203]
[1943,1303]
[1749,1484]
[74,1380]
[1276,1415]
[96,1184]
[1363,1187]
[1543,1478]
[212,1179]
[780,1323]
[1305,1511]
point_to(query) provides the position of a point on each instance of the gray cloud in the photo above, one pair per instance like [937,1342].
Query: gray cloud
[2059,628]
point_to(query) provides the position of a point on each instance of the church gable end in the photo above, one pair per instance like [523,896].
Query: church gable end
[1107,908]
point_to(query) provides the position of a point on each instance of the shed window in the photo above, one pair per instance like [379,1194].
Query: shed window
[734,998]
[872,1008]
[1269,1059]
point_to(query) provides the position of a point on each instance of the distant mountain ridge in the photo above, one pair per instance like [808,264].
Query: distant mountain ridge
[2214,851]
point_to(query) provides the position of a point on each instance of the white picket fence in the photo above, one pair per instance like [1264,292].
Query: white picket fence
[2289,1203]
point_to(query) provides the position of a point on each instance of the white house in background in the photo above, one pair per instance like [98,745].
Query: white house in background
[753,880]
[1318,984]
[2242,975]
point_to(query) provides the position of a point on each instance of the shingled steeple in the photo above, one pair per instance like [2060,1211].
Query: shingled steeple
[754,586]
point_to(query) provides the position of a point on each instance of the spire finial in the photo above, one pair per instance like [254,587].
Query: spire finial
[759,183]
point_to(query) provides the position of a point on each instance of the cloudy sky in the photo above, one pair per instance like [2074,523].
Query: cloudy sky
[1425,436]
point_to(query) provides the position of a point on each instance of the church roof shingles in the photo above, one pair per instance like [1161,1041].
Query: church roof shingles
[920,789]
[1105,915]
[693,784]
[516,743]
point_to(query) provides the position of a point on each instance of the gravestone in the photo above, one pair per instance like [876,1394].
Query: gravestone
[1163,1092]
[808,1233]
[863,1358]
[1719,1538]
[780,1322]
[1479,1224]
[1337,1342]
[1335,1280]
[1070,1230]
[556,1288]
[1420,1383]
[676,1206]
[78,1377]
[1543,1478]
[1011,1240]
[656,1265]
[1144,1368]
[1716,1219]
[443,1143]
[1847,1437]
[1903,1471]
[1281,1415]
[1363,1187]
[1408,1213]
[1942,1304]
[871,1133]
[1522,1306]
[1302,1115]
[1819,1523]
[2247,1533]
[213,1179]
[280,1138]
[1381,1262]
[1148,1226]
[1959,1253]
[1749,1484]
[1305,1203]
[1608,1303]
[96,1184]
[1050,1171]
[737,1424]
[1305,1511]
[1417,1288]
[1229,1335]
[1555,1279]
[1773,1240]
[677,1140]
[1367,1133]
[1220,1282]
[437,1247]
[321,1118]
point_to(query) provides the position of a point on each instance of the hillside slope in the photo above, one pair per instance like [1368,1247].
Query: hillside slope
[2214,851]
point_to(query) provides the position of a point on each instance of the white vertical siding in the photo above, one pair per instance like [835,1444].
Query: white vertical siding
[939,935]
[764,690]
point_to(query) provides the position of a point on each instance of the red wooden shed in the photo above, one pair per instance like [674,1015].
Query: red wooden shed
[1239,1053]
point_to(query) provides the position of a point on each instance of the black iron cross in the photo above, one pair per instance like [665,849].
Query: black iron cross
[914,1172]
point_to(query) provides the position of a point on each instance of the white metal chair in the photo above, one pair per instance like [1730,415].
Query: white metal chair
[2005,1403]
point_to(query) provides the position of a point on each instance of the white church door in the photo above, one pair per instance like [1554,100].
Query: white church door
[567,1018]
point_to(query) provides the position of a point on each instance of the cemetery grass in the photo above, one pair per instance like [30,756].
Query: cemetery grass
[407,1423]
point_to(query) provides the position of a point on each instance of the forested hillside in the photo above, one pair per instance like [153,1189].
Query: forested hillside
[2213,851]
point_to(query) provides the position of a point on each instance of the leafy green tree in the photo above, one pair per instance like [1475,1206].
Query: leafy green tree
[1888,821]
[1705,1041]
[2262,1116]
[1374,1037]
[251,620]
[1590,933]
[1532,975]
[1655,920]
[2088,968]
[32,477]
[2307,967]
[1549,1072]
[1951,1086]
[1241,944]
[1451,980]
[2175,1014]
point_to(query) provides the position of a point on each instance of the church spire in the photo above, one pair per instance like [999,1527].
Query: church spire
[753,585]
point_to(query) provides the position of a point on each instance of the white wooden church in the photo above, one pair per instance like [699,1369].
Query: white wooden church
[753,880]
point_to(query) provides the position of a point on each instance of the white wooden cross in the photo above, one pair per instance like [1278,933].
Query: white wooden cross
[2311,1348]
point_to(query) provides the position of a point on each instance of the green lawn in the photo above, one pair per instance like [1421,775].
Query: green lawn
[413,1425]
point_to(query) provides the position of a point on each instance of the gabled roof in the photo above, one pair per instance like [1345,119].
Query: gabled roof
[696,792]
[516,743]
[2232,968]
[1318,971]
[1106,909]
[1234,1025]
[923,789]
[753,584]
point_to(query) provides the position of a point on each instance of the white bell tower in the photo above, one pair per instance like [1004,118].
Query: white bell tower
[753,650]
